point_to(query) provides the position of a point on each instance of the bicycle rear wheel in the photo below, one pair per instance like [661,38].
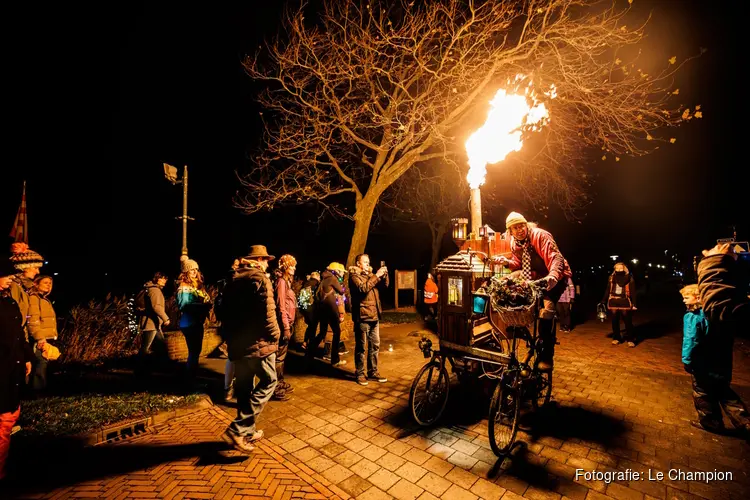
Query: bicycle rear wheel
[429,393]
[503,419]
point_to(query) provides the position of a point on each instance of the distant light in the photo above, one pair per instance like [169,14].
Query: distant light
[45,262]
[613,257]
[649,264]
[54,274]
[634,261]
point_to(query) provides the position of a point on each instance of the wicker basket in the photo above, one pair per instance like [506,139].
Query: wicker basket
[517,316]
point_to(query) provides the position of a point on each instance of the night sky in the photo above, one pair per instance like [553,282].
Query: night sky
[105,96]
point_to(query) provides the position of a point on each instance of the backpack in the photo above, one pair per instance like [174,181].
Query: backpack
[140,302]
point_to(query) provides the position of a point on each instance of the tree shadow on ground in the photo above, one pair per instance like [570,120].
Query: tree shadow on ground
[65,462]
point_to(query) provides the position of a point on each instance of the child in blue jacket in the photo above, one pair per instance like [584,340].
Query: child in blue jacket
[700,356]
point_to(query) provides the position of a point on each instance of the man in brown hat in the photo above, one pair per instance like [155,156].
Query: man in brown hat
[249,324]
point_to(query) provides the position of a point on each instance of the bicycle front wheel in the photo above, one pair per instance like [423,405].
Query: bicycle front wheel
[503,420]
[429,393]
[543,390]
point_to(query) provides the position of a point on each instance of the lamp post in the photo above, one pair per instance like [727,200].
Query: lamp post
[170,173]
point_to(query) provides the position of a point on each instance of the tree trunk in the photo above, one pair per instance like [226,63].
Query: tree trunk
[438,232]
[364,209]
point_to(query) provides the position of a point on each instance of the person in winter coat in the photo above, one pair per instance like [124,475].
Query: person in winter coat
[250,326]
[431,296]
[27,263]
[15,361]
[620,299]
[42,327]
[154,317]
[228,364]
[564,304]
[727,311]
[194,305]
[286,310]
[535,256]
[307,306]
[330,309]
[366,314]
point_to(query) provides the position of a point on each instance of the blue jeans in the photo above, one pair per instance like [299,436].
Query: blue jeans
[366,335]
[252,397]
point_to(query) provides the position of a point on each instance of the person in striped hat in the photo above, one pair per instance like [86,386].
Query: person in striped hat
[27,262]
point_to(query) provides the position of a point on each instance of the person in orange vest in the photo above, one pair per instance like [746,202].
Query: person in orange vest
[431,296]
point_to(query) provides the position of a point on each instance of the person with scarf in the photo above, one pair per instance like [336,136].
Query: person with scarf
[286,309]
[535,257]
[194,305]
[619,297]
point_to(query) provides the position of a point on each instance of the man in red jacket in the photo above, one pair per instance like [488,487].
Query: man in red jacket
[536,257]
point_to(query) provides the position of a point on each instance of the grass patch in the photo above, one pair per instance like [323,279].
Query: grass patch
[71,415]
[396,317]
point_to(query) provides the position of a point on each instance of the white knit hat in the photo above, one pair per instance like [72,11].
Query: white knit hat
[514,218]
[186,264]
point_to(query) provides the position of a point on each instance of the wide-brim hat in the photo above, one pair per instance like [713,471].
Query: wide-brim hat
[258,252]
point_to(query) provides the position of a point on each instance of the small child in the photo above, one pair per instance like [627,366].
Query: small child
[711,377]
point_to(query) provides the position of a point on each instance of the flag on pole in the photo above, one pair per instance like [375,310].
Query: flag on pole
[20,231]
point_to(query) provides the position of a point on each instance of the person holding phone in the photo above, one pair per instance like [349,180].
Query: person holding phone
[366,314]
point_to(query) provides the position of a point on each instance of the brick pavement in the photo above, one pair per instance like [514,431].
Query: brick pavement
[617,409]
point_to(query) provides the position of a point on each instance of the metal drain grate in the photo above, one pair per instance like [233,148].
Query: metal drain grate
[127,431]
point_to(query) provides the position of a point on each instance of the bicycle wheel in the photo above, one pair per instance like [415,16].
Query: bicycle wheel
[503,419]
[429,393]
[543,389]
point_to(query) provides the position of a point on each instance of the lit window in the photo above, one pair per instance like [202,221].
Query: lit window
[455,292]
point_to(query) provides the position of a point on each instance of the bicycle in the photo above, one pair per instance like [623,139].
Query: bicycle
[521,379]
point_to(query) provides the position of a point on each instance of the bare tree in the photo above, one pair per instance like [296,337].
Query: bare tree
[368,90]
[431,194]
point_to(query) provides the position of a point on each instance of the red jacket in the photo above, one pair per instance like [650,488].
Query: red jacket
[286,307]
[544,244]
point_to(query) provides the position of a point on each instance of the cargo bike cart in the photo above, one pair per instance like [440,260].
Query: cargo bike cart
[480,338]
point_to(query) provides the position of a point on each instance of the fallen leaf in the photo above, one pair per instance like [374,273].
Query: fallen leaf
[618,61]
[672,59]
[698,107]
[604,157]
[676,91]
[698,114]
[648,137]
[617,158]
[686,114]
[672,140]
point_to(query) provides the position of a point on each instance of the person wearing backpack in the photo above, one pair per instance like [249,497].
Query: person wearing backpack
[149,305]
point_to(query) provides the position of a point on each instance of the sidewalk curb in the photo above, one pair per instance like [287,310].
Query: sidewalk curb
[125,429]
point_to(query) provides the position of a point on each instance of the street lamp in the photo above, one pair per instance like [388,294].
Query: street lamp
[170,173]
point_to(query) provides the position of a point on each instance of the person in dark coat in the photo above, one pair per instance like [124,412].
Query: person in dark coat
[249,324]
[15,361]
[727,310]
[330,309]
[154,317]
[307,306]
[619,297]
[366,314]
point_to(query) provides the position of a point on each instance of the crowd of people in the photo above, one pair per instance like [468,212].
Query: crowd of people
[257,309]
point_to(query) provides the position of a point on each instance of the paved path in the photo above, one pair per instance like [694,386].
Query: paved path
[617,409]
